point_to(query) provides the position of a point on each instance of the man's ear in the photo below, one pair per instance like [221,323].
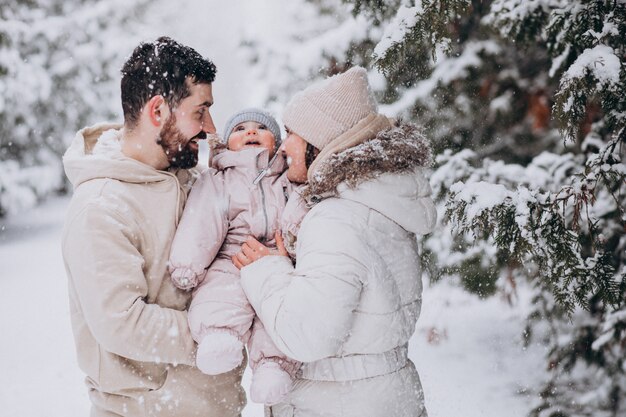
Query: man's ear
[157,110]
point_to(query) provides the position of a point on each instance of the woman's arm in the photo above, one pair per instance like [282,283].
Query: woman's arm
[308,310]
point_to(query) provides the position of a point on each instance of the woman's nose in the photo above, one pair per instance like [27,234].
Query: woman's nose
[251,132]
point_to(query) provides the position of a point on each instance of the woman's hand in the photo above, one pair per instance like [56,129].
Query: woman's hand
[253,250]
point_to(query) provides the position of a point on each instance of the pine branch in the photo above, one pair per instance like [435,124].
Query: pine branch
[538,227]
[428,24]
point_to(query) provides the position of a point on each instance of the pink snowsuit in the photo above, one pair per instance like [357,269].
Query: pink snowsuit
[224,207]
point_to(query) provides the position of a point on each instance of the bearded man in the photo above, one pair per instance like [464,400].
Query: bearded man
[130,185]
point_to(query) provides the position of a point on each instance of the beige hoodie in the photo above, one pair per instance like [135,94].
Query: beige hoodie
[129,321]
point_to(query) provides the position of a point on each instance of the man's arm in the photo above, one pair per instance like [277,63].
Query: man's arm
[106,269]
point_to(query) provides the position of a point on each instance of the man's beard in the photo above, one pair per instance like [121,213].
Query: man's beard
[177,146]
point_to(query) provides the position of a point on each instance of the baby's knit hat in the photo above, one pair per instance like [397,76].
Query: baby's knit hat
[328,108]
[253,115]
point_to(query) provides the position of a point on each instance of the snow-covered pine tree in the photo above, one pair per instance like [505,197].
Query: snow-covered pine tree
[59,64]
[524,104]
[585,42]
[557,220]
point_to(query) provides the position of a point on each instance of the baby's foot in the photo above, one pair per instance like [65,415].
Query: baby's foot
[218,353]
[270,384]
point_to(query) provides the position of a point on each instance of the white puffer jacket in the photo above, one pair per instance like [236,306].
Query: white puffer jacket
[349,307]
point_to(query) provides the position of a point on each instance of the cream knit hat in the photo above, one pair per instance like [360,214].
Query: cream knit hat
[326,109]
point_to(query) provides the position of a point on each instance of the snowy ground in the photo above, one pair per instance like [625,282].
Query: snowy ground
[476,369]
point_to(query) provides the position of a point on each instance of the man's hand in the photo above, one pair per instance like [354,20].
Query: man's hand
[253,250]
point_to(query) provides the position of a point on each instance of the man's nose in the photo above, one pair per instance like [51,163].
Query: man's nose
[207,124]
[251,131]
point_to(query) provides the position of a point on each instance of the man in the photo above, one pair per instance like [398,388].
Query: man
[130,185]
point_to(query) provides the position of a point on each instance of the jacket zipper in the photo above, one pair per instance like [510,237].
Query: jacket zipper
[264,210]
[257,180]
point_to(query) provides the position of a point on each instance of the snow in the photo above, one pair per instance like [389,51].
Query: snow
[37,354]
[312,52]
[289,55]
[447,70]
[468,352]
[475,364]
[480,195]
[502,103]
[558,61]
[508,12]
[24,186]
[406,18]
[602,340]
[600,61]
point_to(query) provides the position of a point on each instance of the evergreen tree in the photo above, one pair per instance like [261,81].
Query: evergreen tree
[556,219]
[524,103]
[59,64]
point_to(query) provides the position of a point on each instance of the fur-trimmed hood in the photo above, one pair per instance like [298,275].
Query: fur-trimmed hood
[399,149]
[384,173]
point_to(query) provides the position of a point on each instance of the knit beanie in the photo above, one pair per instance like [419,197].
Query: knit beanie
[253,115]
[328,108]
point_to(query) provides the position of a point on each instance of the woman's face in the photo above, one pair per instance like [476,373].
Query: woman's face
[294,149]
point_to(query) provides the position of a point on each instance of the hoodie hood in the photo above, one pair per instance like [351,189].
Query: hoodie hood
[385,174]
[403,198]
[96,153]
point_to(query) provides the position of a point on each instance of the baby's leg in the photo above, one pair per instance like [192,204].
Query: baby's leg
[273,372]
[220,318]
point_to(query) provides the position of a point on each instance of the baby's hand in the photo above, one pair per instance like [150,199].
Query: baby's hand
[184,279]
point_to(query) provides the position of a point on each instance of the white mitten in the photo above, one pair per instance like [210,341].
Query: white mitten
[219,352]
[184,278]
[270,384]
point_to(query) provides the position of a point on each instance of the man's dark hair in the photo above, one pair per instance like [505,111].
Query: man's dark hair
[162,68]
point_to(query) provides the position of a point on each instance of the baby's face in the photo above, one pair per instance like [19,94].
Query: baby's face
[251,135]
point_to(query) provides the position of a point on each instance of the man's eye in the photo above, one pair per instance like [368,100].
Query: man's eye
[239,128]
[263,127]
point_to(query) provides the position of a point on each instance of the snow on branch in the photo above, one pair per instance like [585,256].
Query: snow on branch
[447,70]
[427,22]
[532,225]
[595,73]
[585,40]
[404,21]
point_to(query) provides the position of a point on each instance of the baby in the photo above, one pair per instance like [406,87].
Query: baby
[243,193]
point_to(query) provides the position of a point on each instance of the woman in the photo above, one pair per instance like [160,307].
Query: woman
[349,306]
